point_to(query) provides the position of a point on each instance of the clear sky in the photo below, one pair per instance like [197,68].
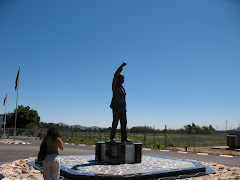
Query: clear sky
[183,60]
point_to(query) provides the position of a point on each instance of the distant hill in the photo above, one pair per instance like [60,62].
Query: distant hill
[62,124]
[78,126]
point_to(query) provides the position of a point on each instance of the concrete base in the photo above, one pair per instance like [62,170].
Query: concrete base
[233,139]
[118,152]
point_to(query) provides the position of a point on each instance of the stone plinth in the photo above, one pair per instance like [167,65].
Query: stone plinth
[233,139]
[118,152]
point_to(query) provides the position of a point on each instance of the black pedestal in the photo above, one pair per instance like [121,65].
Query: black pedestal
[118,152]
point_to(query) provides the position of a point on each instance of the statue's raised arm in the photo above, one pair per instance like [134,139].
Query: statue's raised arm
[117,73]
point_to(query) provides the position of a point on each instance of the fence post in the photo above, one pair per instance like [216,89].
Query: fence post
[154,136]
[105,134]
[193,142]
[89,134]
[134,133]
[165,136]
[72,135]
[145,136]
[230,148]
[77,134]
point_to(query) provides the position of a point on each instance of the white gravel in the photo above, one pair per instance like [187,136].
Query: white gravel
[19,170]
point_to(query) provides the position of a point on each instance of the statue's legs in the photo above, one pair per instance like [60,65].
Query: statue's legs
[119,114]
[123,121]
[116,114]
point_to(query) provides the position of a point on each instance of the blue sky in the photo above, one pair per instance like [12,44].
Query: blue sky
[182,60]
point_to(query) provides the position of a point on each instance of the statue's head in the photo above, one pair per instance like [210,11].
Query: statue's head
[121,79]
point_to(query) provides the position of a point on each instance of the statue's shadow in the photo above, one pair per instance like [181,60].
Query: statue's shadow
[90,163]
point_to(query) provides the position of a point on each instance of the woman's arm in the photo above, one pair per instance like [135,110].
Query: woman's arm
[60,144]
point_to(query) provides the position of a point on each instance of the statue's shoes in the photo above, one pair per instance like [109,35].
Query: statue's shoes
[127,140]
[112,140]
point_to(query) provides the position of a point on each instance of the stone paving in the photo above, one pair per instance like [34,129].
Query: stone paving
[86,165]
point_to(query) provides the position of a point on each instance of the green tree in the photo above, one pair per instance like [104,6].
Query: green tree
[32,125]
[141,129]
[238,128]
[25,116]
[193,129]
[211,129]
[188,129]
[205,130]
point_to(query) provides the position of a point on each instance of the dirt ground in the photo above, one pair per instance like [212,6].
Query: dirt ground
[221,150]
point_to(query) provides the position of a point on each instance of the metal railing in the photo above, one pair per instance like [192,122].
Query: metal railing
[161,140]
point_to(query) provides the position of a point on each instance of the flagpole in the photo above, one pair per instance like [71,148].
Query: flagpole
[16,104]
[5,121]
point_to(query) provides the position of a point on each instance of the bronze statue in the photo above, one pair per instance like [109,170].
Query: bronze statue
[118,105]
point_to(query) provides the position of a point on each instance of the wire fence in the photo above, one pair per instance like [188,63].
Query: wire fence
[156,139]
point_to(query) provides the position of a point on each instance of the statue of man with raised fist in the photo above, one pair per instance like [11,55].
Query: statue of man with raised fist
[118,105]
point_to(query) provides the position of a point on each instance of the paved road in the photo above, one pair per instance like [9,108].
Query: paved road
[229,161]
[11,152]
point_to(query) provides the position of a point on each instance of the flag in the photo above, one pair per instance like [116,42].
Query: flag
[17,78]
[5,100]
